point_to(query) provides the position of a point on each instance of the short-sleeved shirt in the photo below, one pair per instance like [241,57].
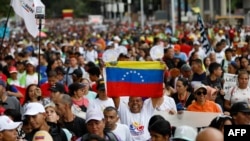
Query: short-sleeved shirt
[137,122]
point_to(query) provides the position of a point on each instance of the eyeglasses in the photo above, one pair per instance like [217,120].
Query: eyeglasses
[201,92]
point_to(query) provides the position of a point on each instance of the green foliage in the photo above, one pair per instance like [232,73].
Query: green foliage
[4,8]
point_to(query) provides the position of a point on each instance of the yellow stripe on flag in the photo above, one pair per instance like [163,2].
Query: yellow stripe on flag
[138,65]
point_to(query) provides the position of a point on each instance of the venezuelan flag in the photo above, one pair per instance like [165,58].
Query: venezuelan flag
[132,78]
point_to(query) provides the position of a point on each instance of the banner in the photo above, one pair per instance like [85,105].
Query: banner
[202,119]
[134,78]
[26,10]
[204,40]
[230,81]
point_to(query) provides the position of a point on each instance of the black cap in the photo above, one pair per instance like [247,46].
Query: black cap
[58,87]
[75,86]
[100,85]
[77,73]
[240,107]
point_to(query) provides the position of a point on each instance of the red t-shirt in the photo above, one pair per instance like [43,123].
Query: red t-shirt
[3,77]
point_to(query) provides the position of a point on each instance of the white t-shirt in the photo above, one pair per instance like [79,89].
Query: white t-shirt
[167,104]
[31,79]
[91,56]
[137,122]
[122,132]
[100,104]
[236,94]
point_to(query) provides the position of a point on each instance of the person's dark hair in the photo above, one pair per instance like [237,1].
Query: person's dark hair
[198,61]
[94,71]
[229,50]
[14,114]
[110,108]
[50,63]
[161,127]
[27,98]
[219,121]
[204,61]
[52,73]
[242,72]
[213,66]
[95,137]
[154,118]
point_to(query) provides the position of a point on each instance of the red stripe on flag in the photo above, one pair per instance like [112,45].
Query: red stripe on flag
[131,89]
[22,91]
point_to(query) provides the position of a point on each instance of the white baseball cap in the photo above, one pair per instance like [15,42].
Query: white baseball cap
[199,86]
[185,132]
[7,124]
[34,108]
[94,115]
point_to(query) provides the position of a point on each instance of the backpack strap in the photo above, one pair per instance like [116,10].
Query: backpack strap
[233,90]
[67,75]
[111,136]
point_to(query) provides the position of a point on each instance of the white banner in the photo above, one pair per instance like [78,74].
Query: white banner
[194,119]
[230,81]
[26,10]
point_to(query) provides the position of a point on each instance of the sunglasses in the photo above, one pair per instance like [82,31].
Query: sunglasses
[201,92]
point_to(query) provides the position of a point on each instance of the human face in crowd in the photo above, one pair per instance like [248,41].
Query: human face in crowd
[52,80]
[180,88]
[60,107]
[170,53]
[54,95]
[51,115]
[87,85]
[96,127]
[241,118]
[231,69]
[135,104]
[20,67]
[207,61]
[244,63]
[73,62]
[30,68]
[158,137]
[79,92]
[37,121]
[54,65]
[102,94]
[32,93]
[195,66]
[81,60]
[111,118]
[218,72]
[228,55]
[8,135]
[200,95]
[243,80]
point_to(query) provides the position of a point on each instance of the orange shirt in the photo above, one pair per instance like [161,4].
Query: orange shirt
[209,106]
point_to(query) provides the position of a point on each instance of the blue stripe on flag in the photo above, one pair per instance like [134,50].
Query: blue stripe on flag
[134,75]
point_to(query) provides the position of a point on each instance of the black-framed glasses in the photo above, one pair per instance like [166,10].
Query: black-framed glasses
[201,92]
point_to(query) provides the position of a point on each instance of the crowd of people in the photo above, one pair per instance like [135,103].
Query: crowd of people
[53,88]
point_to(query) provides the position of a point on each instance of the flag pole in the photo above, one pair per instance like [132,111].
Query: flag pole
[39,45]
[5,27]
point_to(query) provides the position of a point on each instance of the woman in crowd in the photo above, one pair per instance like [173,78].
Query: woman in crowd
[239,93]
[201,104]
[183,97]
[33,94]
[88,93]
[233,68]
